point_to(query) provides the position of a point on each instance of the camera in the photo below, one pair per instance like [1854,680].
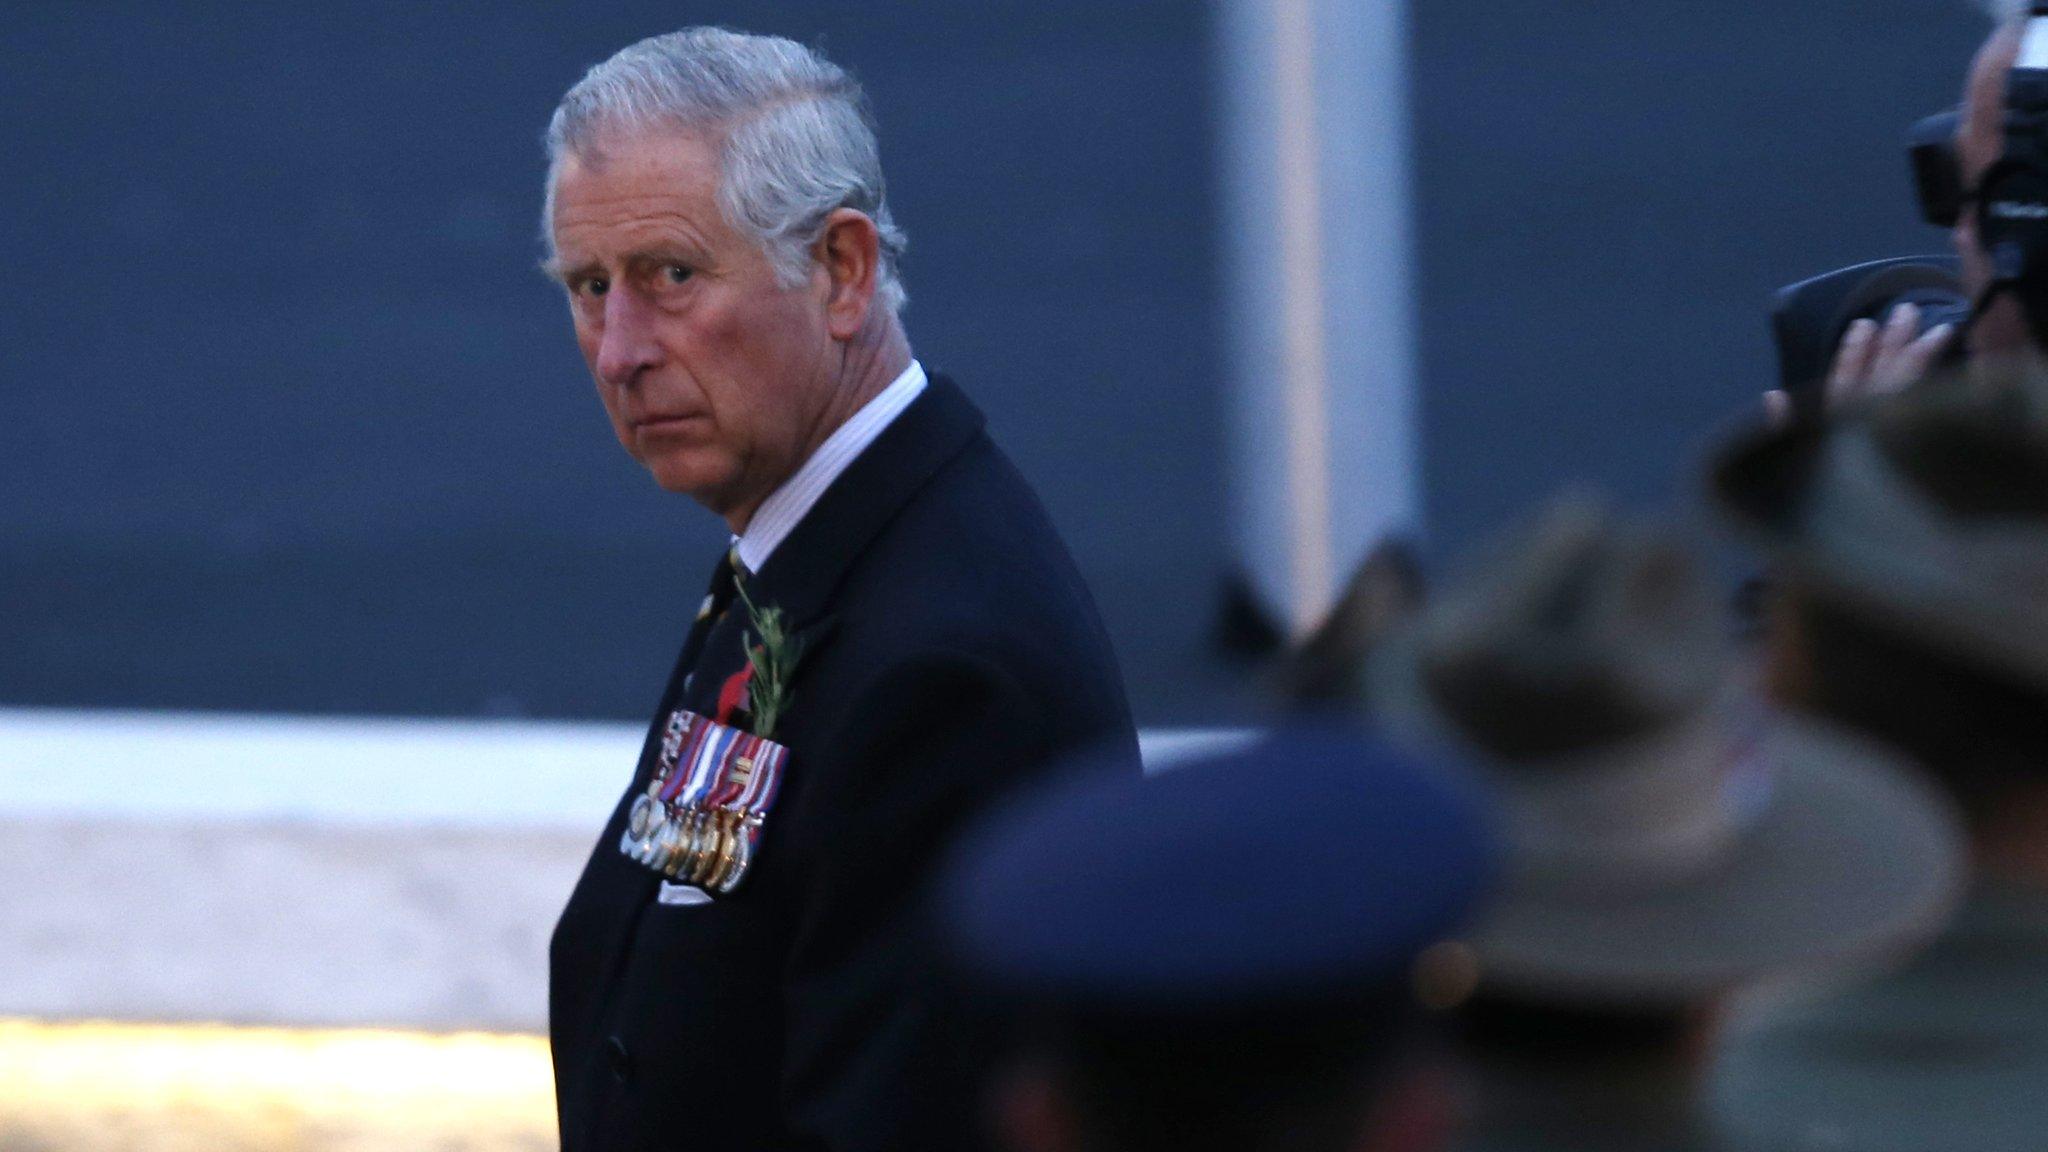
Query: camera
[1809,319]
[1937,173]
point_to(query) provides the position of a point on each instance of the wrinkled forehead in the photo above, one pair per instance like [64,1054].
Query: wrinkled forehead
[614,149]
[635,169]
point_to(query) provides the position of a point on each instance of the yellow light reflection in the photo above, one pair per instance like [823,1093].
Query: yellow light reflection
[182,1088]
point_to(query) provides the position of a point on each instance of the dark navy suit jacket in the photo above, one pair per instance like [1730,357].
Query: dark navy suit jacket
[951,651]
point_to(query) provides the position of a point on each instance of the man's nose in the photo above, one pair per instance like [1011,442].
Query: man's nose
[628,346]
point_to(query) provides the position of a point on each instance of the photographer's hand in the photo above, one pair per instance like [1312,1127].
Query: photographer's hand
[1872,361]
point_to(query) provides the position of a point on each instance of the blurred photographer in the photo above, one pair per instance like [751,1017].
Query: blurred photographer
[1982,173]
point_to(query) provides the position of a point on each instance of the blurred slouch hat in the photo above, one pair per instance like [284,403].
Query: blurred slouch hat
[1668,838]
[1924,511]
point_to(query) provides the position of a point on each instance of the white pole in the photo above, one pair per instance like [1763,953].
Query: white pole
[1318,286]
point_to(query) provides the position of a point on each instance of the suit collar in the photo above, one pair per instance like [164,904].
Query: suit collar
[786,507]
[805,570]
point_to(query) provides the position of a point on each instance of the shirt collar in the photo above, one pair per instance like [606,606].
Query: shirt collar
[786,507]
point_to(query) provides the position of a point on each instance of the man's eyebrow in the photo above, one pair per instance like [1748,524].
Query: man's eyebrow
[665,252]
[652,256]
[556,268]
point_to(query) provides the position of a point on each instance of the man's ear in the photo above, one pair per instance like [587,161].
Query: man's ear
[849,249]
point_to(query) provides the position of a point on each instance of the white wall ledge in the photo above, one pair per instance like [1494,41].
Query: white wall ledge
[303,871]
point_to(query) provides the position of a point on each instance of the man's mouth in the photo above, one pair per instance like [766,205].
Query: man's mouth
[659,425]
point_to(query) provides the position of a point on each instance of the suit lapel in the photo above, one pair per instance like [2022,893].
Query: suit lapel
[722,651]
[807,568]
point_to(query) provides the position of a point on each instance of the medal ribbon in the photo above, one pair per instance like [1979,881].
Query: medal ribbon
[684,783]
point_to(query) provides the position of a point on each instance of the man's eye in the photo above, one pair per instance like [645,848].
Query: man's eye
[674,273]
[594,286]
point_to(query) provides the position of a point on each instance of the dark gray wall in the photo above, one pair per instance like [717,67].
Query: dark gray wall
[288,421]
[1610,190]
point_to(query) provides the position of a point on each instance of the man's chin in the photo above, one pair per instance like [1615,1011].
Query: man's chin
[707,487]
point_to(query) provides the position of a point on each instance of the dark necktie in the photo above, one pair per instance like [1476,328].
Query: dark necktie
[724,585]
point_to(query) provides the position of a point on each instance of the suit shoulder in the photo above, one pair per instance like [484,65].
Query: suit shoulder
[973,564]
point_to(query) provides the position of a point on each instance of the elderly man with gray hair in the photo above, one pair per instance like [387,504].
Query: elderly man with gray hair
[896,636]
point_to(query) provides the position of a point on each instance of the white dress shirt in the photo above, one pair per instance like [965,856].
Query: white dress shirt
[786,507]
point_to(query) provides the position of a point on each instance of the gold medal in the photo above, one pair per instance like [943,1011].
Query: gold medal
[668,845]
[707,848]
[707,851]
[728,835]
[692,855]
[743,853]
[671,845]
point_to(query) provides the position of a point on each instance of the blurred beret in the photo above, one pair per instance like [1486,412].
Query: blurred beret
[1313,865]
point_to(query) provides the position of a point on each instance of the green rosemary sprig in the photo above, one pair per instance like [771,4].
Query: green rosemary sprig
[773,661]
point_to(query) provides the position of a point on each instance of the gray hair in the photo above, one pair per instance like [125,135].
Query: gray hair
[796,138]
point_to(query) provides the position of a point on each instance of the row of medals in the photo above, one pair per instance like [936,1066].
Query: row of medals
[709,849]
